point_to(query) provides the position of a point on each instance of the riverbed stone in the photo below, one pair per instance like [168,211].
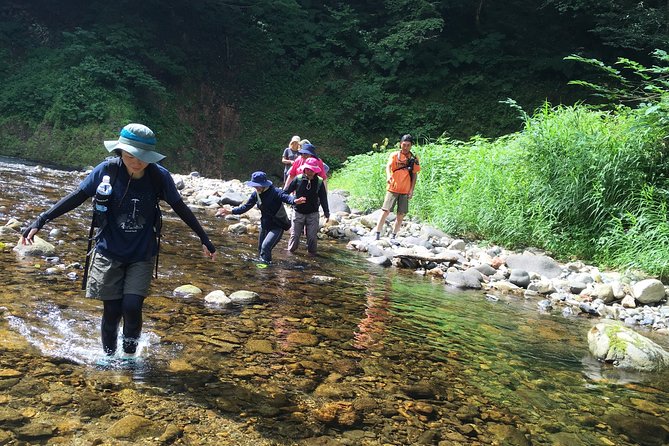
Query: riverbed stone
[260,346]
[648,291]
[92,405]
[244,296]
[9,416]
[134,427]
[640,428]
[509,435]
[217,297]
[614,343]
[56,398]
[187,291]
[301,338]
[39,247]
[460,279]
[380,260]
[35,430]
[541,264]
[519,277]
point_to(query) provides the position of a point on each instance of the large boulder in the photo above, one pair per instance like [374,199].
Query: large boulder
[540,264]
[337,202]
[649,291]
[616,344]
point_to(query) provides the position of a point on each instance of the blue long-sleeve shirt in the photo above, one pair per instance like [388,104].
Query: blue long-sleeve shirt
[268,202]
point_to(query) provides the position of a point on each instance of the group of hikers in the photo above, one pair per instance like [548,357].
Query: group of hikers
[127,230]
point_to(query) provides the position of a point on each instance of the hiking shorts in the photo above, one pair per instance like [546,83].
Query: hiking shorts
[110,279]
[402,201]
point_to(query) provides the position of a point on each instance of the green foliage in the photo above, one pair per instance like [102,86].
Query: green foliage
[637,84]
[575,181]
[639,239]
[622,23]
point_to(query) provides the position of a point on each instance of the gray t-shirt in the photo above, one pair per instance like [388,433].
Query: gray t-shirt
[288,154]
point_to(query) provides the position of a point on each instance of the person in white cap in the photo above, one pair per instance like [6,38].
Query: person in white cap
[126,246]
[290,154]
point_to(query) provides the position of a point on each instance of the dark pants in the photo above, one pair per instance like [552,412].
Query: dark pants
[267,240]
[128,308]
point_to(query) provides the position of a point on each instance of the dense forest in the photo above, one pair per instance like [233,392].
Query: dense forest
[225,84]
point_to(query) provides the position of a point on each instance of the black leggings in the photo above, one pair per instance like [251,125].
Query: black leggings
[128,308]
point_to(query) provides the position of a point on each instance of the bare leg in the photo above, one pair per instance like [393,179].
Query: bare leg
[382,220]
[398,223]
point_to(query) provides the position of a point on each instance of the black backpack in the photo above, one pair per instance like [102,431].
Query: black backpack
[111,169]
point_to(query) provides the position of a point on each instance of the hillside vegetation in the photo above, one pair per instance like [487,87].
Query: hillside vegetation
[226,84]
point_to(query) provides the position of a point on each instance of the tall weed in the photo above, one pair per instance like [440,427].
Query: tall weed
[574,181]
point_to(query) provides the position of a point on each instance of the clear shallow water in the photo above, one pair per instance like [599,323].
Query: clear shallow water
[382,334]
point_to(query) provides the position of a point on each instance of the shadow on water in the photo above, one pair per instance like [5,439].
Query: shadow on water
[376,354]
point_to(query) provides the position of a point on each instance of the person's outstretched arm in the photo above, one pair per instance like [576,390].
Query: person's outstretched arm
[189,218]
[64,205]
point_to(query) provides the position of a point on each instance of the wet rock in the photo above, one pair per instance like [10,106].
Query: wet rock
[640,428]
[9,416]
[35,430]
[217,297]
[92,405]
[40,247]
[259,346]
[300,338]
[237,228]
[187,291]
[10,373]
[57,398]
[466,413]
[509,435]
[322,279]
[379,260]
[171,433]
[5,436]
[339,412]
[616,344]
[422,390]
[334,391]
[134,427]
[365,404]
[243,296]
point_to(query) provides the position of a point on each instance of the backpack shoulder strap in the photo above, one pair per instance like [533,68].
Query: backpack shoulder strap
[113,164]
[156,181]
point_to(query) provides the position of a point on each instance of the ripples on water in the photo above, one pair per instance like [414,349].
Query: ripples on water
[534,365]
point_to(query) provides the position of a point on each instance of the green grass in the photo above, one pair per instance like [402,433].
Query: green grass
[578,182]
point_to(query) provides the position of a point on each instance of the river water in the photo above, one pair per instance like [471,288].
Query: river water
[376,356]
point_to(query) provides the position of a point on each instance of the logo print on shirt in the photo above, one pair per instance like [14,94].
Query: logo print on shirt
[132,221]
